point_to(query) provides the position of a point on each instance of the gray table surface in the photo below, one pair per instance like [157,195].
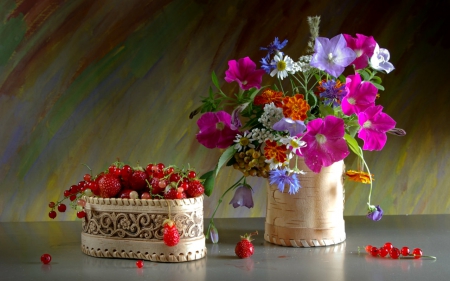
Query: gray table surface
[22,244]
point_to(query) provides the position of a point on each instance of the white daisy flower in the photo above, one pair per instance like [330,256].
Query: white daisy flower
[243,141]
[283,66]
[293,143]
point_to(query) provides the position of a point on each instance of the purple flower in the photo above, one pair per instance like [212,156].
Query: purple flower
[243,197]
[360,95]
[363,46]
[333,93]
[275,46]
[380,60]
[266,64]
[235,121]
[281,177]
[325,143]
[332,55]
[375,213]
[374,125]
[215,130]
[294,127]
[213,233]
[244,72]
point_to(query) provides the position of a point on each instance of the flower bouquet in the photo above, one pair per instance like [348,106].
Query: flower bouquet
[313,113]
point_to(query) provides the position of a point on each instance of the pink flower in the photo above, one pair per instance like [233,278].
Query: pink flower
[360,95]
[374,125]
[245,73]
[363,47]
[215,130]
[325,143]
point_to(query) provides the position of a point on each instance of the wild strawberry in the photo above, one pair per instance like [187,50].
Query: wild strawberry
[138,180]
[171,237]
[245,248]
[109,186]
[195,188]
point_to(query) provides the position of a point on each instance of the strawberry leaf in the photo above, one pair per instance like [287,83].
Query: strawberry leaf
[226,155]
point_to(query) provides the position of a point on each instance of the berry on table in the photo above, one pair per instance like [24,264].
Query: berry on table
[394,253]
[374,251]
[405,251]
[368,248]
[417,253]
[388,246]
[383,252]
[46,258]
[245,248]
[140,263]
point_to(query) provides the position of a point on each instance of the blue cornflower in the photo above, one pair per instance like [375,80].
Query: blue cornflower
[281,177]
[266,66]
[333,92]
[275,46]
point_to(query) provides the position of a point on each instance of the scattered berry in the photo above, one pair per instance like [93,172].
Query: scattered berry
[245,248]
[140,263]
[417,253]
[388,246]
[46,258]
[383,252]
[171,237]
[405,251]
[394,253]
[374,251]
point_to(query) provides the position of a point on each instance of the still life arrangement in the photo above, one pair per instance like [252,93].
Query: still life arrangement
[313,113]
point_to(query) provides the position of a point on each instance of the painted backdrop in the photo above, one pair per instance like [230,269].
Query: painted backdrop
[92,81]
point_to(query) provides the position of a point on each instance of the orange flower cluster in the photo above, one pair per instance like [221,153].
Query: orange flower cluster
[274,151]
[295,107]
[269,96]
[359,176]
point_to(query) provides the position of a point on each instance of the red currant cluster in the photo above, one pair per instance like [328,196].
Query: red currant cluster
[393,252]
[156,181]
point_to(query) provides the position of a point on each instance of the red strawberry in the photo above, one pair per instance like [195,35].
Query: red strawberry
[171,237]
[195,189]
[138,179]
[175,193]
[245,248]
[109,186]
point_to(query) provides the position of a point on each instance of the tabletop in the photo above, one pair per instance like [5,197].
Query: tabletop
[23,243]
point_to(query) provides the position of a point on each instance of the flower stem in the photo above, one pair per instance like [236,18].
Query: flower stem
[370,175]
[211,222]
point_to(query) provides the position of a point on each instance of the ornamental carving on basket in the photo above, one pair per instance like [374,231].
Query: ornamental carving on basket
[141,225]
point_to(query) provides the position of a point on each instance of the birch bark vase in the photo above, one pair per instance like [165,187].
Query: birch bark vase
[314,216]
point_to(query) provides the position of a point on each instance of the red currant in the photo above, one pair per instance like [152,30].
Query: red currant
[158,173]
[184,186]
[52,214]
[161,166]
[374,251]
[175,177]
[81,202]
[46,258]
[149,169]
[394,253]
[383,252]
[162,184]
[368,248]
[112,169]
[126,171]
[388,246]
[169,170]
[73,189]
[52,205]
[62,208]
[417,253]
[67,193]
[72,197]
[81,214]
[145,195]
[87,177]
[140,263]
[192,174]
[405,251]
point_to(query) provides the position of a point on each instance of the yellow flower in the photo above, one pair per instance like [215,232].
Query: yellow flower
[359,176]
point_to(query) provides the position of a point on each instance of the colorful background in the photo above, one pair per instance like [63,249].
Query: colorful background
[92,81]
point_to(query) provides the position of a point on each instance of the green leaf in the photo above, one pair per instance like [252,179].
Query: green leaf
[209,179]
[378,86]
[364,74]
[353,144]
[376,79]
[215,80]
[326,110]
[226,155]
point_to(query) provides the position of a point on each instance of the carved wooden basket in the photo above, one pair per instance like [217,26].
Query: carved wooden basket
[132,229]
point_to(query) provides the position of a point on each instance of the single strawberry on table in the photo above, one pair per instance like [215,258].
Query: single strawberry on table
[245,248]
[171,237]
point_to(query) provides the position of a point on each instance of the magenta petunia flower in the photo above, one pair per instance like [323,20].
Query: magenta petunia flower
[360,95]
[374,125]
[363,46]
[332,55]
[244,72]
[215,130]
[325,143]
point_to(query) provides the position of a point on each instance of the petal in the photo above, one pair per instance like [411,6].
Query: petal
[333,127]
